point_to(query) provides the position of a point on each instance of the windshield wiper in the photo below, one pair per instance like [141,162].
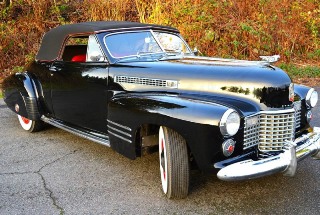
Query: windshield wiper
[173,53]
[140,54]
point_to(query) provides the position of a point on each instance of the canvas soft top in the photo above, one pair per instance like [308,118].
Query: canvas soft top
[53,40]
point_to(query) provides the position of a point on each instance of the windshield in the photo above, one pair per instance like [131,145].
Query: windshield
[145,44]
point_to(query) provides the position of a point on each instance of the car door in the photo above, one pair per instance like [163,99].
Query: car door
[79,88]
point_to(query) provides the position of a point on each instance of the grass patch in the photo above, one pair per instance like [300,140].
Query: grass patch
[301,72]
[1,95]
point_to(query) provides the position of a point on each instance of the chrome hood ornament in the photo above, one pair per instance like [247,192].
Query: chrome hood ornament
[270,59]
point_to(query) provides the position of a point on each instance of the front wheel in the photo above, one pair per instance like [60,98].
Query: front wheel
[174,163]
[30,125]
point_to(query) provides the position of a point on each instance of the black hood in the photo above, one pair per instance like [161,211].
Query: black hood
[256,84]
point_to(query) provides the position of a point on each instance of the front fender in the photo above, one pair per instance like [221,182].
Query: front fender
[195,120]
[21,96]
[301,91]
[171,106]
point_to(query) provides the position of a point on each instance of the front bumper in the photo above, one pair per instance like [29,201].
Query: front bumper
[286,162]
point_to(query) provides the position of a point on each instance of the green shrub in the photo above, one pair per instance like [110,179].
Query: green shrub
[301,72]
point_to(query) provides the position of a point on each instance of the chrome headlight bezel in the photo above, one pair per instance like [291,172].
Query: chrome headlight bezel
[312,98]
[229,123]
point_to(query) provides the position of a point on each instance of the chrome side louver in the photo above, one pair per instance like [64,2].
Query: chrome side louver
[146,81]
[297,109]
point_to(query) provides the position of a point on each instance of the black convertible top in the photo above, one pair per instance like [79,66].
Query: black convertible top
[52,41]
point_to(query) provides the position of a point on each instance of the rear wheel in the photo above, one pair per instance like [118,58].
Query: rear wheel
[174,163]
[30,125]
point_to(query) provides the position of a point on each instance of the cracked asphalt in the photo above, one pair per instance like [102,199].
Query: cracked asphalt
[54,172]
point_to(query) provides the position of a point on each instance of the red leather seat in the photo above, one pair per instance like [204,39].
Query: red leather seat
[79,58]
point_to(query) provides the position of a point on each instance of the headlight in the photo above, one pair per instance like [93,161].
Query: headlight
[229,123]
[312,98]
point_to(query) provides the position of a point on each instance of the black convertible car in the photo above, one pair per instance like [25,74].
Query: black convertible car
[139,87]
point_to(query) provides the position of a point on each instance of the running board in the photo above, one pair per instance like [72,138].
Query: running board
[104,140]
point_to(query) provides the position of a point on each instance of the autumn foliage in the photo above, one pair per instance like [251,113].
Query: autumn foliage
[227,28]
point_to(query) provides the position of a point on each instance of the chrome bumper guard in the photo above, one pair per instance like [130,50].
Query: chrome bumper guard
[286,162]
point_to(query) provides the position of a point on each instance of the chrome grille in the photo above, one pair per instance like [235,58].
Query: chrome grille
[297,109]
[275,130]
[269,130]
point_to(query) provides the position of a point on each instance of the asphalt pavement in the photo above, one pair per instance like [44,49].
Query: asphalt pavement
[55,172]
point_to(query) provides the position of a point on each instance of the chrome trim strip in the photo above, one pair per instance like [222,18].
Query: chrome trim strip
[120,137]
[121,132]
[216,61]
[104,141]
[119,125]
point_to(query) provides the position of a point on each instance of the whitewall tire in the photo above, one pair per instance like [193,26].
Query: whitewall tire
[174,163]
[30,125]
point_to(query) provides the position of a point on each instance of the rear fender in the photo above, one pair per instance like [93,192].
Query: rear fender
[21,95]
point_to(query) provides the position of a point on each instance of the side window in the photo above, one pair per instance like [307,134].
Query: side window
[82,49]
[94,52]
[75,49]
